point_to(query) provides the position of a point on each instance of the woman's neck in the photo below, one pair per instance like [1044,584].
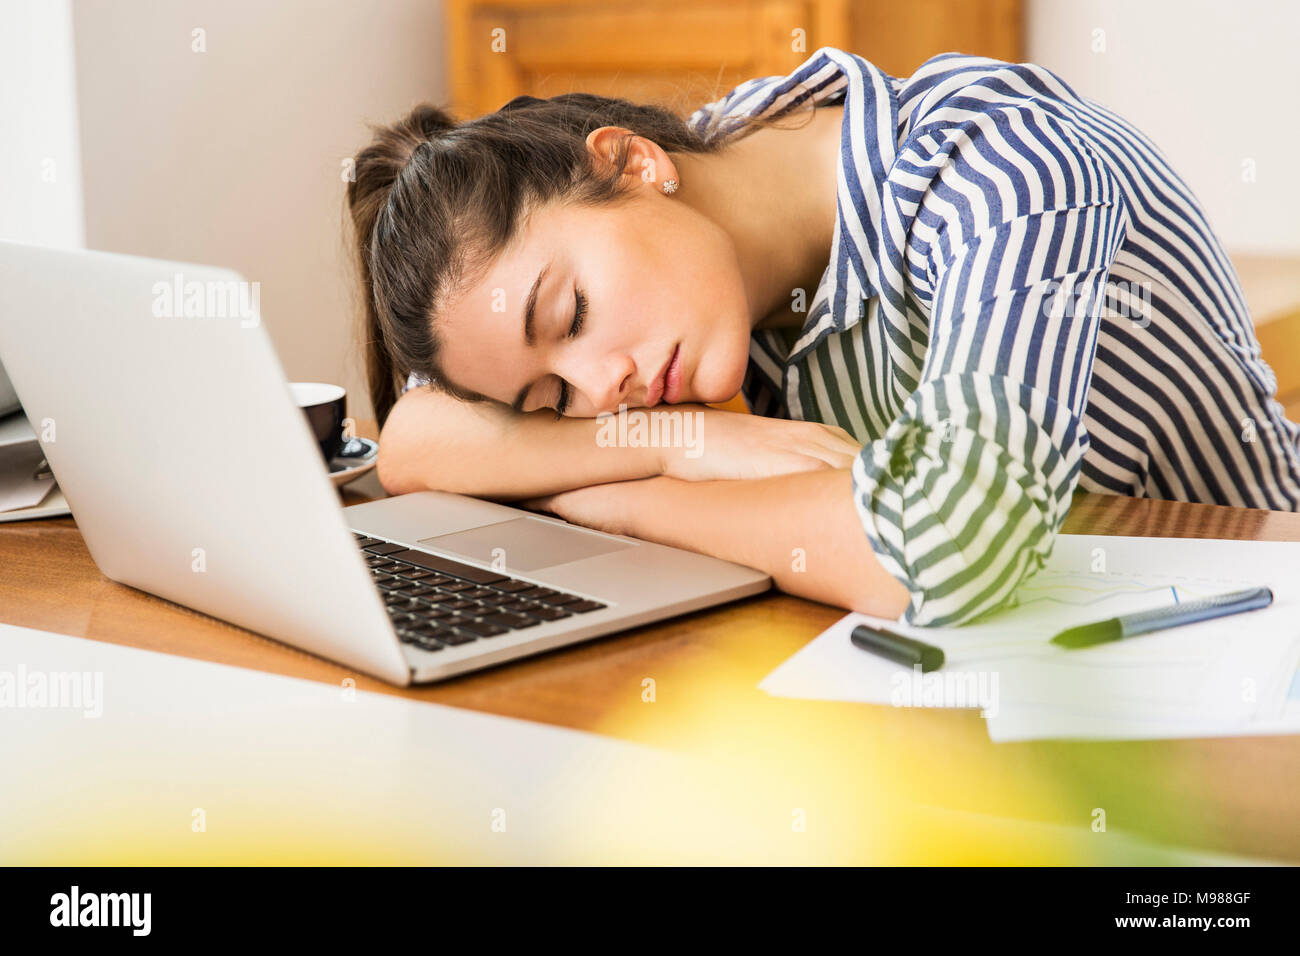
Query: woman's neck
[774,192]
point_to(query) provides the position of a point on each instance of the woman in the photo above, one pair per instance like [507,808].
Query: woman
[950,300]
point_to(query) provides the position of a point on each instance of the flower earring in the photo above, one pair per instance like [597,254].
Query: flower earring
[670,186]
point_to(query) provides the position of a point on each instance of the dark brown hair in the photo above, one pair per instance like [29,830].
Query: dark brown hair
[434,201]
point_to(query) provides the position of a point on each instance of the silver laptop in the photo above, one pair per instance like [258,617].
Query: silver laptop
[192,474]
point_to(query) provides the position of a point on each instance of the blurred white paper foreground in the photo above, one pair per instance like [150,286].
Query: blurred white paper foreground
[120,756]
[114,753]
[1228,676]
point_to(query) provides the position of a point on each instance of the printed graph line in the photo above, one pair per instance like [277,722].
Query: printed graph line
[1081,589]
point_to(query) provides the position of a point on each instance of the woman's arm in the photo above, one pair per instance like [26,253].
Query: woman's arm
[432,441]
[802,529]
[963,495]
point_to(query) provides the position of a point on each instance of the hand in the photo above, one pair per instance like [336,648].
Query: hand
[610,507]
[735,445]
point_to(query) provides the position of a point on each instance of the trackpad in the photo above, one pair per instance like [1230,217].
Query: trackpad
[526,544]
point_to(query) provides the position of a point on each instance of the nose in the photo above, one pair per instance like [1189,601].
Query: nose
[607,382]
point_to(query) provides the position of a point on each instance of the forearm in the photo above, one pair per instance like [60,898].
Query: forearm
[432,441]
[801,528]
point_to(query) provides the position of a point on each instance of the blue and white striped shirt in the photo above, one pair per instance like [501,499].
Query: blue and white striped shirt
[1023,298]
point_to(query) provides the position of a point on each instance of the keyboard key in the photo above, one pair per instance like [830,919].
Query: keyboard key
[582,607]
[459,604]
[364,542]
[514,622]
[385,549]
[557,599]
[378,561]
[498,599]
[429,644]
[480,628]
[549,613]
[537,592]
[457,637]
[384,580]
[419,590]
[477,593]
[454,586]
[513,585]
[398,584]
[421,575]
[465,572]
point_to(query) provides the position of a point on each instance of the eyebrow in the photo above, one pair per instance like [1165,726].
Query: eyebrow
[530,336]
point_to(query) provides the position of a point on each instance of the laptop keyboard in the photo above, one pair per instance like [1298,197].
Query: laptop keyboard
[435,602]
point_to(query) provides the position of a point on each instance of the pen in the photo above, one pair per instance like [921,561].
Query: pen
[897,647]
[1131,625]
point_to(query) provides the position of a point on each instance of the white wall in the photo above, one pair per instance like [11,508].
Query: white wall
[233,156]
[1214,84]
[40,178]
[40,175]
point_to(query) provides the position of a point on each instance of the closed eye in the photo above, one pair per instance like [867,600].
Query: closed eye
[579,313]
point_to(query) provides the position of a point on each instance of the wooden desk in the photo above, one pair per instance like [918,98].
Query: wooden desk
[1230,795]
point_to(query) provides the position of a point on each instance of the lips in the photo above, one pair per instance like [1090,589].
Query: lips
[657,388]
[673,377]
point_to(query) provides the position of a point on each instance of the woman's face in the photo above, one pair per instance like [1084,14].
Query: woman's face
[622,287]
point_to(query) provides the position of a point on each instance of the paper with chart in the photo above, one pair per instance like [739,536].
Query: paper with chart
[1229,675]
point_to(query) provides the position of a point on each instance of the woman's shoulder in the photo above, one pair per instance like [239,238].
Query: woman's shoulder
[772,96]
[981,82]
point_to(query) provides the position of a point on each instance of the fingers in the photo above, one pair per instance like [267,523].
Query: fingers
[833,457]
[842,443]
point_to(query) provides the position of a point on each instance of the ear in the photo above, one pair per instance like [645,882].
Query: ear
[645,160]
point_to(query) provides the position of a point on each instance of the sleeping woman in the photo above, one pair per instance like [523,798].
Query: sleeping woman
[949,301]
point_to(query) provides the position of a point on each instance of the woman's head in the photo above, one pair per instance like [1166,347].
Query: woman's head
[456,223]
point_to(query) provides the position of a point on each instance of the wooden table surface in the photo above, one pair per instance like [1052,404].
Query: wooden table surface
[1236,795]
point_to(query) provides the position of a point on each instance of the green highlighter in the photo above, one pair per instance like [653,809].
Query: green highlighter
[1144,622]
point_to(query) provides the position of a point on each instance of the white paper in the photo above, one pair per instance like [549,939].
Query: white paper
[1229,675]
[153,738]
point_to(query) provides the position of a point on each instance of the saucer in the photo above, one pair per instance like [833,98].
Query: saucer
[357,457]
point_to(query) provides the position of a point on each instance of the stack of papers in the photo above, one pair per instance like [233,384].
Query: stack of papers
[24,482]
[27,487]
[1229,676]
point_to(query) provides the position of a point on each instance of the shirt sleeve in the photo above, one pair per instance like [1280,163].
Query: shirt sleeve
[962,497]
